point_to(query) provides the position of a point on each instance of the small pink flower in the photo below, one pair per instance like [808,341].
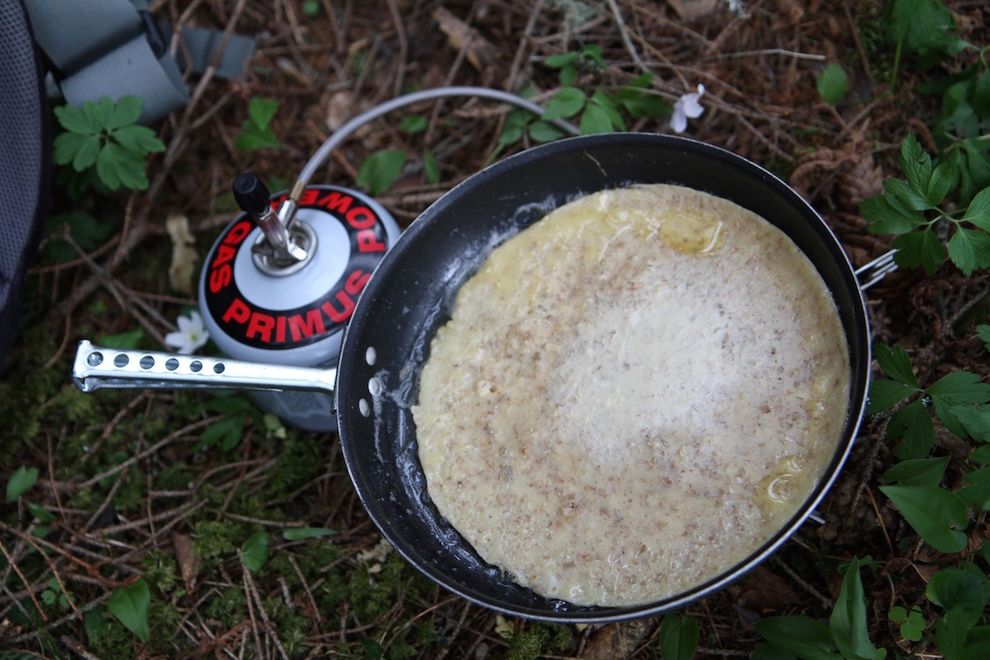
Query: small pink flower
[687,106]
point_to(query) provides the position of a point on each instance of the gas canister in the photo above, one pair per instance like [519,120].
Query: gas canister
[283,294]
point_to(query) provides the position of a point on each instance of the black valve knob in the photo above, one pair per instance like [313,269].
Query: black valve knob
[251,194]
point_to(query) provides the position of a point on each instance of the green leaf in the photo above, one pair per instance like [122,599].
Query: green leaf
[960,593]
[254,552]
[565,103]
[66,145]
[40,512]
[937,515]
[22,480]
[803,636]
[413,124]
[560,60]
[86,153]
[961,387]
[977,491]
[944,179]
[913,427]
[568,75]
[912,624]
[129,167]
[602,100]
[510,135]
[923,26]
[639,100]
[917,472]
[765,651]
[678,637]
[595,119]
[311,7]
[916,164]
[885,393]
[542,131]
[106,168]
[261,111]
[431,169]
[832,83]
[253,138]
[912,200]
[300,533]
[969,250]
[895,363]
[884,218]
[983,332]
[227,432]
[975,421]
[125,113]
[126,340]
[848,623]
[138,139]
[130,605]
[981,455]
[97,113]
[380,170]
[920,248]
[95,624]
[73,120]
[978,211]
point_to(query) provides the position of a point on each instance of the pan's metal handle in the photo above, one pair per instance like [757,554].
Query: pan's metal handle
[96,367]
[876,270]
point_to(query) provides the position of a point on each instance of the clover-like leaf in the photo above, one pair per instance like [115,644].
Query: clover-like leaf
[565,103]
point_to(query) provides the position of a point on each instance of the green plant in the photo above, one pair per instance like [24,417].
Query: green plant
[678,637]
[845,635]
[130,605]
[912,623]
[256,131]
[21,481]
[381,170]
[571,63]
[254,552]
[105,135]
[958,400]
[228,431]
[86,231]
[917,209]
[832,83]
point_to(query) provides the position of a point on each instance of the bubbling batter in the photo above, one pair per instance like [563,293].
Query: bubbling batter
[632,395]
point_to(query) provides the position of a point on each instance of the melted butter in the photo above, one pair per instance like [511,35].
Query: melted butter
[691,233]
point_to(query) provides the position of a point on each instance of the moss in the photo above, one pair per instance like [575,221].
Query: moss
[176,476]
[299,461]
[115,642]
[536,639]
[216,541]
[291,625]
[163,623]
[160,570]
[229,607]
[130,495]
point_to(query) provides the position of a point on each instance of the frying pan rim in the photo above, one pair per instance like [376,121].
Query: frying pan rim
[350,354]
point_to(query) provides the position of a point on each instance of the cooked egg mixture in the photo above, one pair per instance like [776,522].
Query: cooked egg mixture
[632,395]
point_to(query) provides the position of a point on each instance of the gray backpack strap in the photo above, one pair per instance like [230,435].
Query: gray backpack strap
[114,48]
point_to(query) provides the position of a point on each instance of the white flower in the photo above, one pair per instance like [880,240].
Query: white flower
[191,334]
[687,106]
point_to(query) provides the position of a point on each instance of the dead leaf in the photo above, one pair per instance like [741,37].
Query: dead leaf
[377,553]
[478,50]
[186,557]
[692,9]
[765,591]
[616,640]
[504,628]
[183,267]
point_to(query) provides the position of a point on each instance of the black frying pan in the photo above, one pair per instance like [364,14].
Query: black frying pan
[410,295]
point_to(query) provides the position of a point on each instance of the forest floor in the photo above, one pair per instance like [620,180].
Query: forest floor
[125,488]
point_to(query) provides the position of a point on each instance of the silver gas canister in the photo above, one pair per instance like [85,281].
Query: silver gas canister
[290,305]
